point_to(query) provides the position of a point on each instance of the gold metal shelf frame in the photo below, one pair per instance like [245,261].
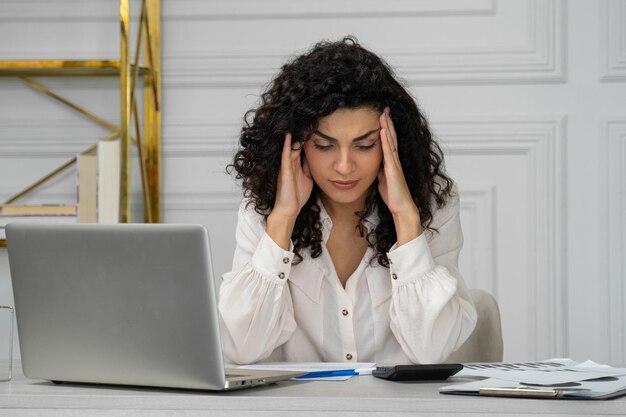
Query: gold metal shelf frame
[148,142]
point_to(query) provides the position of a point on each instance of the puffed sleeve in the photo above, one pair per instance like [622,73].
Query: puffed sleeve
[431,312]
[254,301]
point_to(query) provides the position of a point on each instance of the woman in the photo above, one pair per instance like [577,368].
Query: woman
[349,234]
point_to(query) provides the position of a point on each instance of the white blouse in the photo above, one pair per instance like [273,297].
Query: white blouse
[416,311]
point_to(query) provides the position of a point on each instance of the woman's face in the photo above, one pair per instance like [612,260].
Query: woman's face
[345,154]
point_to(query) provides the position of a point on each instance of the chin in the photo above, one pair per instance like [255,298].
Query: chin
[344,197]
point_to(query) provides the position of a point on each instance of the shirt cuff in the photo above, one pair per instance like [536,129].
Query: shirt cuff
[272,260]
[411,260]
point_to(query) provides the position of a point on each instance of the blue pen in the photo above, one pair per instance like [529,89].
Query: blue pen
[327,374]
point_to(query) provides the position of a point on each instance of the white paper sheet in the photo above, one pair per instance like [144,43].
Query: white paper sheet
[311,366]
[550,372]
[362,368]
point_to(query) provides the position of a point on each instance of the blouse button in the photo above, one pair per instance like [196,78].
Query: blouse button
[344,312]
[394,276]
[349,356]
[285,260]
[281,275]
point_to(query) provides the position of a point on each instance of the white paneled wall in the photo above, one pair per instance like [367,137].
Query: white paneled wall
[509,174]
[528,98]
[613,136]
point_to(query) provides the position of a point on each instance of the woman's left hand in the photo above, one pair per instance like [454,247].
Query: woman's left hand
[393,187]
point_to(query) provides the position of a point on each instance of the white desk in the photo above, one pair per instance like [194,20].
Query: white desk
[359,396]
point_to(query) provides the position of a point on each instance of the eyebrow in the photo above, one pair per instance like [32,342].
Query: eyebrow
[330,138]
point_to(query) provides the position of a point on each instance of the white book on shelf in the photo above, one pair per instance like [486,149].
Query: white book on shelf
[38,210]
[87,180]
[108,195]
[51,213]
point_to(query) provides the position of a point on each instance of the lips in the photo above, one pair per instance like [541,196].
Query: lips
[344,185]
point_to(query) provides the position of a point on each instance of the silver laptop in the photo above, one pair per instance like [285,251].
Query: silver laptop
[130,304]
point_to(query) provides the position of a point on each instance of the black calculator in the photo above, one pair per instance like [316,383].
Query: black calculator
[407,373]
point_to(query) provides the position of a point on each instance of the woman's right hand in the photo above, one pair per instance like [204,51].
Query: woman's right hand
[292,192]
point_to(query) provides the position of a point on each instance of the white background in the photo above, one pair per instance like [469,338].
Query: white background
[527,97]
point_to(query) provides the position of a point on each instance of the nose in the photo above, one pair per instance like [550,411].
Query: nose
[344,164]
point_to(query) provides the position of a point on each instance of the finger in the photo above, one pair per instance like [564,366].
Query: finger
[391,129]
[390,154]
[296,165]
[387,124]
[385,145]
[383,120]
[390,132]
[285,157]
[295,152]
[305,166]
[286,163]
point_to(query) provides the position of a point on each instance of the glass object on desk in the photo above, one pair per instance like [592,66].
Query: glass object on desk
[6,342]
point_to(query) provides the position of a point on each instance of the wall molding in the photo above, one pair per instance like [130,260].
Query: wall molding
[541,140]
[612,40]
[45,139]
[200,138]
[186,10]
[201,201]
[285,9]
[45,196]
[479,201]
[613,162]
[541,59]
[62,85]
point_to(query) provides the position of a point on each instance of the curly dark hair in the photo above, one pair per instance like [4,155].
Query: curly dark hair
[331,76]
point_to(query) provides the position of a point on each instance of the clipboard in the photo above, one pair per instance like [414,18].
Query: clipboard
[528,392]
[539,393]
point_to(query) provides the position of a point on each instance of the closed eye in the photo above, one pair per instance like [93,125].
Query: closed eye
[322,147]
[367,147]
